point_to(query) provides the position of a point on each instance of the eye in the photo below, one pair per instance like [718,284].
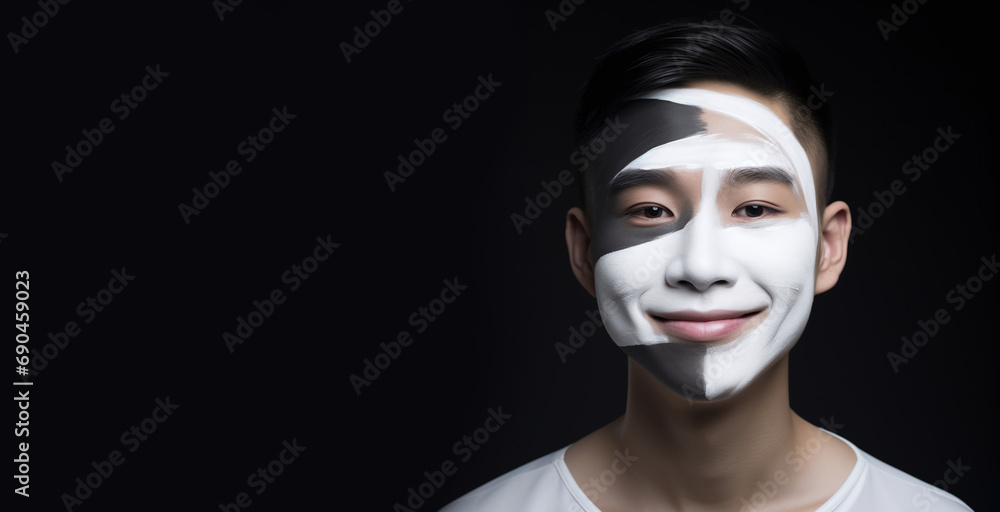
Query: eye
[753,211]
[649,214]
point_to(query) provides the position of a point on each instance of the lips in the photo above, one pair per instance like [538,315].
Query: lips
[704,326]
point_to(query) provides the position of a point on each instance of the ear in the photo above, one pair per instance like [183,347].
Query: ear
[834,238]
[578,243]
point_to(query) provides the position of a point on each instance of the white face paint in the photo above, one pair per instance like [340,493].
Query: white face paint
[710,305]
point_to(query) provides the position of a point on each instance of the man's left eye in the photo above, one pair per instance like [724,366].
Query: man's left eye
[754,211]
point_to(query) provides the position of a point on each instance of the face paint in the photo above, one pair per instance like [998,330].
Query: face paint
[704,232]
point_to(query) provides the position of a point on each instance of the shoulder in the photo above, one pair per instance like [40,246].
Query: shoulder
[535,486]
[875,485]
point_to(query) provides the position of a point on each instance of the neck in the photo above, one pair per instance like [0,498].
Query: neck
[706,454]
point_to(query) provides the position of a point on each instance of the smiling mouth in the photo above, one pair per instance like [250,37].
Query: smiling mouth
[707,326]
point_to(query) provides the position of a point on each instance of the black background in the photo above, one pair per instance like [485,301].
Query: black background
[494,346]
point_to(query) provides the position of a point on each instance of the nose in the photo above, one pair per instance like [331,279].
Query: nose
[702,261]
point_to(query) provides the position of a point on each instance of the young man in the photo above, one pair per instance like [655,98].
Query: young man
[706,235]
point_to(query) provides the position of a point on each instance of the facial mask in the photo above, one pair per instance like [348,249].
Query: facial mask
[707,297]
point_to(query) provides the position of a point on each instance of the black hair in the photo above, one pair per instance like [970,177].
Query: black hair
[680,52]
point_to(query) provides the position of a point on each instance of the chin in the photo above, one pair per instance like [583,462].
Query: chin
[702,372]
[685,375]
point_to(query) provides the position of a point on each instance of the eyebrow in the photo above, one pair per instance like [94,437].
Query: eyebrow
[642,177]
[749,175]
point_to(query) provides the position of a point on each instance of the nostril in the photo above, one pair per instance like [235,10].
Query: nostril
[701,286]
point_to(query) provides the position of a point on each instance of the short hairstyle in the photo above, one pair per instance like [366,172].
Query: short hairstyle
[677,53]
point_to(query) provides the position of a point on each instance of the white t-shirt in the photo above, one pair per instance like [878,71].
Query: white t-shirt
[546,485]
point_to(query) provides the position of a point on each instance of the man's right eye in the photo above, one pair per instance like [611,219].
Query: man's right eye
[649,212]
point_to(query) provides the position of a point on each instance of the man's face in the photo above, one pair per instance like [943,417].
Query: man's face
[704,234]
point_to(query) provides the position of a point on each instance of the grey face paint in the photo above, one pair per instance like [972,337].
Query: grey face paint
[686,364]
[651,123]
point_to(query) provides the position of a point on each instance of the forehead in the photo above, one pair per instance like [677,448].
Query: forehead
[724,145]
[703,129]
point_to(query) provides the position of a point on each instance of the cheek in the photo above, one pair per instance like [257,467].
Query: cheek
[622,278]
[782,256]
[627,273]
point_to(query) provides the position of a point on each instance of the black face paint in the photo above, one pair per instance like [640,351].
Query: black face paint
[676,368]
[650,123]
